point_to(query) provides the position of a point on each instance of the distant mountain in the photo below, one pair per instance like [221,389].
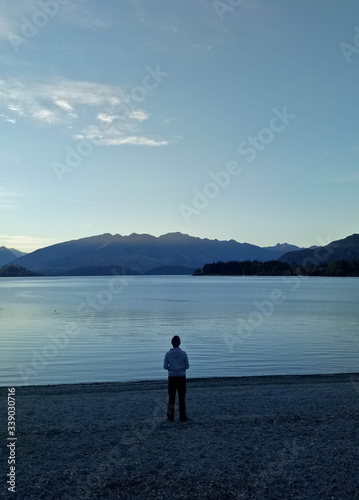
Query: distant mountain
[17,253]
[140,253]
[8,255]
[283,248]
[15,271]
[345,249]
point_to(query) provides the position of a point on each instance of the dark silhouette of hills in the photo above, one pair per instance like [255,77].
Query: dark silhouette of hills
[346,249]
[142,253]
[174,253]
[341,268]
[15,271]
[245,268]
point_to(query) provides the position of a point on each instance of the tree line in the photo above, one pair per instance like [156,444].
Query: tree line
[277,268]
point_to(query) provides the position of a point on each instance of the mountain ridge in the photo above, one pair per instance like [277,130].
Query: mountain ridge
[8,255]
[345,249]
[141,253]
[169,253]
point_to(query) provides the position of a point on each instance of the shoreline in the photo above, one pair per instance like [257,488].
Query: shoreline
[194,382]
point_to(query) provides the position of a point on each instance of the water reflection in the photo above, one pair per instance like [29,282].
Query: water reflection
[123,335]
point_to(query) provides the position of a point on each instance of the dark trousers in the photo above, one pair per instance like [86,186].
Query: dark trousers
[176,384]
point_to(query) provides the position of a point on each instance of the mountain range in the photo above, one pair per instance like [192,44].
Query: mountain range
[8,255]
[172,253]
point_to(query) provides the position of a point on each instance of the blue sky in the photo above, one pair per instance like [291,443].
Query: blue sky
[220,119]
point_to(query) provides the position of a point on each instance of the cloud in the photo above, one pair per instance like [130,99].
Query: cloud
[139,115]
[113,135]
[167,121]
[24,243]
[64,105]
[138,141]
[5,27]
[8,119]
[79,13]
[12,16]
[15,17]
[105,118]
[9,199]
[102,113]
[43,103]
[176,30]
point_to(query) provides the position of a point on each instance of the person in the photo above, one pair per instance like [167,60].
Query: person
[176,362]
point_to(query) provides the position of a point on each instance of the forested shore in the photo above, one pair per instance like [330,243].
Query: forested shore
[277,268]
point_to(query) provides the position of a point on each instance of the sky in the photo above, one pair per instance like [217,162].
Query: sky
[226,119]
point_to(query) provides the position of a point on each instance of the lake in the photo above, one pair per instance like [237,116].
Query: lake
[97,329]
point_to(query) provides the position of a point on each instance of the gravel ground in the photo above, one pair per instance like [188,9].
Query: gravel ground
[285,437]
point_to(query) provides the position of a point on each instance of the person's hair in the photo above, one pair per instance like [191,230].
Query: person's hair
[176,341]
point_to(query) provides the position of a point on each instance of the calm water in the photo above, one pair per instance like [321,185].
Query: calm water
[94,329]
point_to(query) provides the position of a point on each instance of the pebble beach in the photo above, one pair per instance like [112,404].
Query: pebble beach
[276,437]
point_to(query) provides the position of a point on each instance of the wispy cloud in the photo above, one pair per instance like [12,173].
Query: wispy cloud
[8,118]
[6,26]
[103,117]
[98,112]
[24,243]
[79,12]
[9,199]
[167,121]
[173,32]
[139,115]
[14,14]
[114,136]
[339,152]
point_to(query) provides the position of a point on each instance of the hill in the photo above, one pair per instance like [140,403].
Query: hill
[346,249]
[8,255]
[340,268]
[15,271]
[141,253]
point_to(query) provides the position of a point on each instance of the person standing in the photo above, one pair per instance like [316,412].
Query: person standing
[176,362]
